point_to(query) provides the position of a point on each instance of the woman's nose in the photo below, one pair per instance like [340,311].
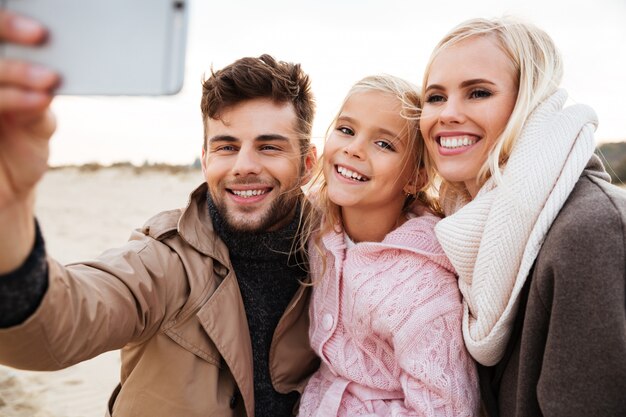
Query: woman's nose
[452,111]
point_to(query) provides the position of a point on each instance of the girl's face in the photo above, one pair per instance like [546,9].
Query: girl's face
[367,158]
[470,94]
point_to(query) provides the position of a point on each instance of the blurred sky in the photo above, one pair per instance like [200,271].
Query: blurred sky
[337,42]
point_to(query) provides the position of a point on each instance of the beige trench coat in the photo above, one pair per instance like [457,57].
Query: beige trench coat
[170,300]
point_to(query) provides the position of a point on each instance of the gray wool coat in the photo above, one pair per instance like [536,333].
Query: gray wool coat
[567,354]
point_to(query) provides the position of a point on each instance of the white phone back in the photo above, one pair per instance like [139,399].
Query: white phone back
[109,47]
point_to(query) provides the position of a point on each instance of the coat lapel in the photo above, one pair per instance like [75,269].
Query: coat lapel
[230,334]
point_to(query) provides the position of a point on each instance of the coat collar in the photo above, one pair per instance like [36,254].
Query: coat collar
[416,236]
[230,335]
[196,228]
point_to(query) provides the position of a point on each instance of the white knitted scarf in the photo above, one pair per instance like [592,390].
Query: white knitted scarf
[493,240]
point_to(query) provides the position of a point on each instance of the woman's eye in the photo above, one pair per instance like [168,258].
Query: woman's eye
[345,130]
[384,145]
[435,98]
[480,94]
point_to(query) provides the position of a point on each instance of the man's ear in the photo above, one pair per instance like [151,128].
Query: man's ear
[310,161]
[203,161]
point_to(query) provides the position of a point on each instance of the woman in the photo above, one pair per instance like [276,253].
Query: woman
[534,229]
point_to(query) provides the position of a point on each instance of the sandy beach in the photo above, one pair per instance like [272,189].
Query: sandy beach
[81,214]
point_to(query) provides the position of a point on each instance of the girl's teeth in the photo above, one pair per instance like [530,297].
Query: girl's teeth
[248,193]
[457,141]
[349,174]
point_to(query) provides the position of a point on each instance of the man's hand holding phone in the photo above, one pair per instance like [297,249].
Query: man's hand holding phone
[23,85]
[26,125]
[113,47]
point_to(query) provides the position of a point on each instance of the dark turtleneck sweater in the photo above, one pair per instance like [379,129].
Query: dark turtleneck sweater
[268,278]
[22,290]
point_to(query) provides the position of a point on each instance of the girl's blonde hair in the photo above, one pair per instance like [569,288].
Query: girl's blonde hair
[327,215]
[539,69]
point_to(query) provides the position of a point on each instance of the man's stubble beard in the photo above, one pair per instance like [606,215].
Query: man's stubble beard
[281,208]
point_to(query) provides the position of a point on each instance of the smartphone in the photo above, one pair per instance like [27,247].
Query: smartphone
[108,47]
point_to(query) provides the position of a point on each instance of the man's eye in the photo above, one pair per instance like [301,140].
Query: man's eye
[270,148]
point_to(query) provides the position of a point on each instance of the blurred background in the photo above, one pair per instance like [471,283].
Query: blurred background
[337,42]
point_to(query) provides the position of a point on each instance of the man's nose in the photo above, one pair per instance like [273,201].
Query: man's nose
[247,163]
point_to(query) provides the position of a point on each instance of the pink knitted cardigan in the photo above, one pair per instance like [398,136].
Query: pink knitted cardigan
[386,322]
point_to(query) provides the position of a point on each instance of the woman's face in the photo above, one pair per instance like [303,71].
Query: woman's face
[470,94]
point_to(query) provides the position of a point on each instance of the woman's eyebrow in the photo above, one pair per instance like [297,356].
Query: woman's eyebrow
[463,84]
[475,81]
[434,87]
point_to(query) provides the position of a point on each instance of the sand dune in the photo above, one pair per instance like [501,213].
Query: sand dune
[82,214]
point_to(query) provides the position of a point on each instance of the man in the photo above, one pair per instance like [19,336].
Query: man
[206,303]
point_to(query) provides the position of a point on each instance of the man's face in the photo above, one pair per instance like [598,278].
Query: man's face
[253,165]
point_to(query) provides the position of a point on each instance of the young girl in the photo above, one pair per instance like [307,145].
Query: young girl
[534,229]
[386,309]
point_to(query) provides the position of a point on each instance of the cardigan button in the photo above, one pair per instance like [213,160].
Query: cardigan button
[327,322]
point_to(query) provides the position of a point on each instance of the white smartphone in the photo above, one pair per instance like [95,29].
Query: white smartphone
[108,47]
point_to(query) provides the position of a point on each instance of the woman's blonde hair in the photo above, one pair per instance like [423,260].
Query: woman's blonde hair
[539,69]
[327,216]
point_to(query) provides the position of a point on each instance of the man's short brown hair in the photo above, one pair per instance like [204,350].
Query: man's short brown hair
[263,77]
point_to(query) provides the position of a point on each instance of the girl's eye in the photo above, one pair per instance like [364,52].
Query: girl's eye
[346,130]
[435,98]
[479,93]
[385,145]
